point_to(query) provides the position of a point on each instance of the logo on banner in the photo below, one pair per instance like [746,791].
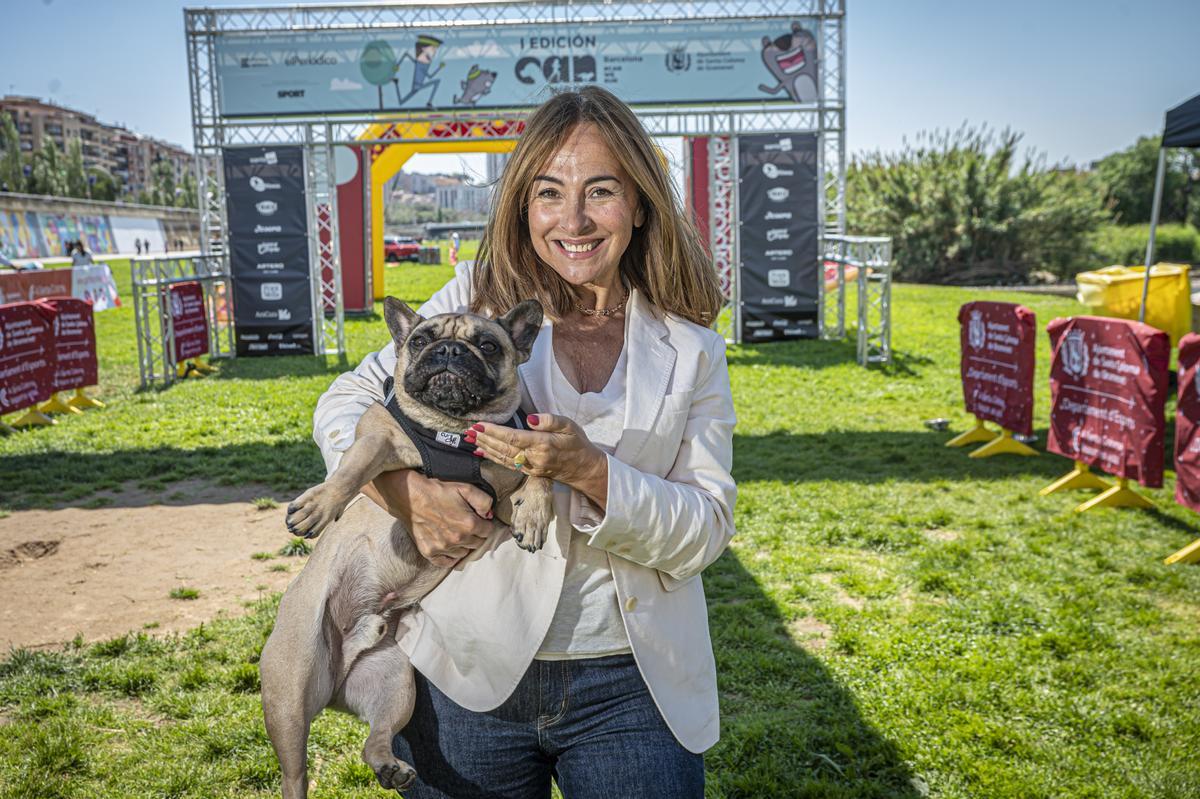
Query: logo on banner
[268,157]
[1075,355]
[770,216]
[777,194]
[778,234]
[284,314]
[772,171]
[778,278]
[258,184]
[268,247]
[678,60]
[271,291]
[176,305]
[778,255]
[266,207]
[268,228]
[976,332]
[783,146]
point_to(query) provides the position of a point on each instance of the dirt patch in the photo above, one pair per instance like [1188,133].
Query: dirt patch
[101,572]
[811,633]
[940,534]
[839,594]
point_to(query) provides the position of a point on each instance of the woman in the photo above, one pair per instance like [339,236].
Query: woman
[588,661]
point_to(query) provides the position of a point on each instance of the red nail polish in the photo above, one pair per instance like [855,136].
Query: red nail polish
[478,453]
[477,427]
[470,439]
[533,420]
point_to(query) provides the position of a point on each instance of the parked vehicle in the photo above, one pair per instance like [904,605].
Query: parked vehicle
[400,248]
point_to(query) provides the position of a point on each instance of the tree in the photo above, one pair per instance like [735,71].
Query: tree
[76,177]
[12,171]
[187,195]
[48,174]
[162,179]
[1127,179]
[104,185]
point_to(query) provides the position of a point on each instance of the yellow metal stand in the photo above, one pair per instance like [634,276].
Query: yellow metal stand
[202,367]
[189,369]
[56,404]
[975,435]
[1189,554]
[33,418]
[1004,445]
[81,400]
[1118,496]
[1078,478]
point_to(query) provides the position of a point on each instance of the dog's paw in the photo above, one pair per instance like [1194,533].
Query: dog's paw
[397,776]
[531,521]
[313,511]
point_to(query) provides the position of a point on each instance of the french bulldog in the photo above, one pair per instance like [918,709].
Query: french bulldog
[334,641]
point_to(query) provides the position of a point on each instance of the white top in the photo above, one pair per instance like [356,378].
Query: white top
[587,621]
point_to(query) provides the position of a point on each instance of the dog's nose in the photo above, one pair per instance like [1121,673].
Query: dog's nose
[451,349]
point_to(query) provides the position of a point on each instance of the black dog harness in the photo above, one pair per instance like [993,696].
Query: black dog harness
[445,455]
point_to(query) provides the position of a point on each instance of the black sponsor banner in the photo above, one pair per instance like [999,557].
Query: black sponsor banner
[268,244]
[779,267]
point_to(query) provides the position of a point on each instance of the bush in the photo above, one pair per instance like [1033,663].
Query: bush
[1126,244]
[960,210]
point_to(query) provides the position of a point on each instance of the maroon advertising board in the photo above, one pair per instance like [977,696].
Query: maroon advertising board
[1108,387]
[75,343]
[1187,424]
[188,320]
[34,284]
[998,343]
[26,355]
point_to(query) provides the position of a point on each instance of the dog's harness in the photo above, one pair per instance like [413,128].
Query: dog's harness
[445,455]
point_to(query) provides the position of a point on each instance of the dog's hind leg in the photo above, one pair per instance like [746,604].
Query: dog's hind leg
[381,691]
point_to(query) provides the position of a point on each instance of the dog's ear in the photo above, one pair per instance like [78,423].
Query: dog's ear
[523,323]
[400,318]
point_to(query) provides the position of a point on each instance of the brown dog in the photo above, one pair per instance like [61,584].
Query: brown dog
[334,642]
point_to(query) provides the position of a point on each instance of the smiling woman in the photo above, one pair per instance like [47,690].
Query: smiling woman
[589,661]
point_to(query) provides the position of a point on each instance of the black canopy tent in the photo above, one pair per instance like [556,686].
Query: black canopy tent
[1181,129]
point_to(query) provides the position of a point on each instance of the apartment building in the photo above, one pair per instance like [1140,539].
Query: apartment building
[118,151]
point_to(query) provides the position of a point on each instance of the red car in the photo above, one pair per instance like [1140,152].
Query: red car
[400,248]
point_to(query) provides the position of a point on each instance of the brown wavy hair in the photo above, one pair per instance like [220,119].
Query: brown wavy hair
[665,259]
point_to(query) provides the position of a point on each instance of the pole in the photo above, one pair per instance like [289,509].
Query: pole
[1158,189]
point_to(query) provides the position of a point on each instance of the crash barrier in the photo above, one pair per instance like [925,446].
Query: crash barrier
[867,260]
[47,347]
[1108,388]
[1117,291]
[182,309]
[998,342]
[93,283]
[429,255]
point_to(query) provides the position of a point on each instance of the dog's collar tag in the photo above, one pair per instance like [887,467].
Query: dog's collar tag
[449,439]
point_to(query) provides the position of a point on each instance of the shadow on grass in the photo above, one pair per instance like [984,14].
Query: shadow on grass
[788,727]
[870,456]
[70,479]
[819,354]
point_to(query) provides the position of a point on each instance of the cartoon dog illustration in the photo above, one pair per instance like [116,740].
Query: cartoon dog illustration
[792,59]
[478,83]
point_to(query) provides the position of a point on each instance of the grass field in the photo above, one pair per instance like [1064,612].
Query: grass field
[893,619]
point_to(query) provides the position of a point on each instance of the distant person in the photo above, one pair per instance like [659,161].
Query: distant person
[454,248]
[138,243]
[81,256]
[146,245]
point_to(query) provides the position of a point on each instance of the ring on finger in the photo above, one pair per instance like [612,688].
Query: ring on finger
[520,460]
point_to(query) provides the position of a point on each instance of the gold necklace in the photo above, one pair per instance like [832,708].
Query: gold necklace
[616,309]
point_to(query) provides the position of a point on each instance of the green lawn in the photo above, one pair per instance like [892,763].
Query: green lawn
[893,619]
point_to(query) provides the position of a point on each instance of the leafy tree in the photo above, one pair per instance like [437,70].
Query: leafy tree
[48,173]
[12,172]
[162,179]
[963,208]
[1127,179]
[188,192]
[77,184]
[104,185]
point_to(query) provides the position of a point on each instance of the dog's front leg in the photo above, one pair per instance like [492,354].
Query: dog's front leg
[532,507]
[322,504]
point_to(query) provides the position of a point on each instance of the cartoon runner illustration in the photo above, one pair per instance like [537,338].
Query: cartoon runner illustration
[425,51]
[792,59]
[478,83]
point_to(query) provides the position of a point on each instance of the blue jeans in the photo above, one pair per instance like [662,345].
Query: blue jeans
[590,724]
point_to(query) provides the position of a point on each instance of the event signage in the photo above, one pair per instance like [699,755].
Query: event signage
[95,284]
[1108,388]
[92,283]
[268,245]
[771,60]
[189,322]
[998,340]
[26,355]
[74,335]
[1187,424]
[777,236]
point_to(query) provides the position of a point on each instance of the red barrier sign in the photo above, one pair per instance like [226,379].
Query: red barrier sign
[26,355]
[34,285]
[1108,386]
[998,343]
[75,343]
[1187,424]
[188,320]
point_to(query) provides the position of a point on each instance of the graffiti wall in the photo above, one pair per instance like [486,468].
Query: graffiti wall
[37,227]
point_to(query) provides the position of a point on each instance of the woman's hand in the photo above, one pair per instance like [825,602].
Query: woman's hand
[447,520]
[555,448]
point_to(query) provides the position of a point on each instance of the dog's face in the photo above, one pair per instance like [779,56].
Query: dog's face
[462,365]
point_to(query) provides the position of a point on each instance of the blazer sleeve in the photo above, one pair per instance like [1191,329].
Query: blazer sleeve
[340,407]
[681,522]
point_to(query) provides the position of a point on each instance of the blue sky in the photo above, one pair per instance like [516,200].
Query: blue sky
[1079,79]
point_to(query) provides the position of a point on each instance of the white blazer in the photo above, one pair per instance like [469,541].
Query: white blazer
[669,515]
